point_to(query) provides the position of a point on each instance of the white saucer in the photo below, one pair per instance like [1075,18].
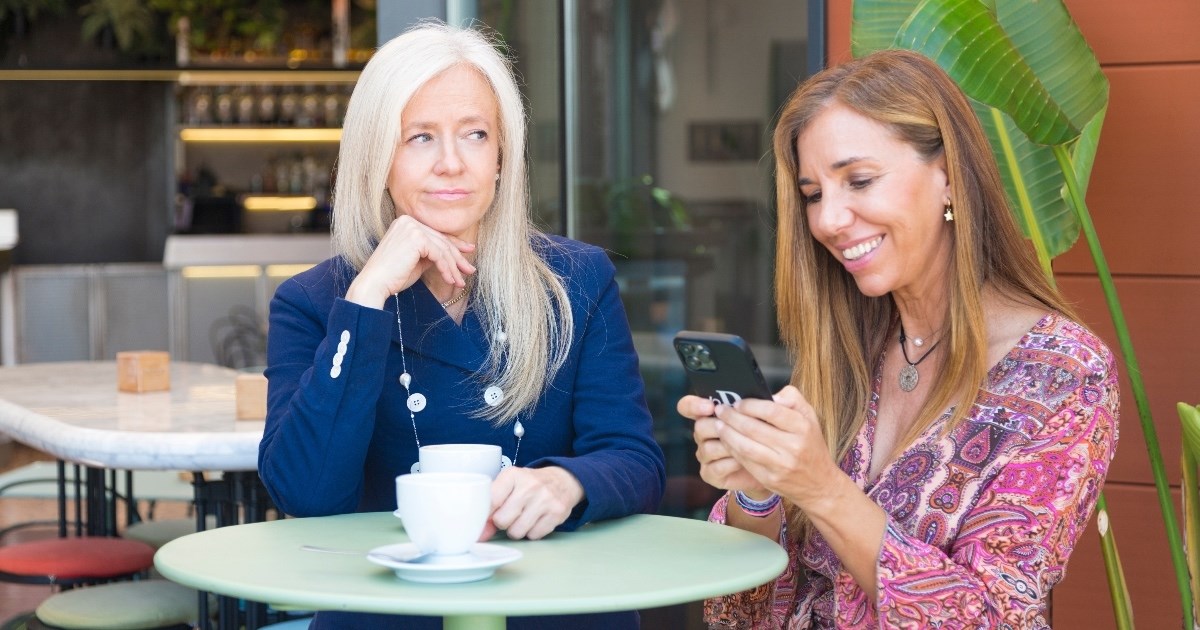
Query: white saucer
[478,564]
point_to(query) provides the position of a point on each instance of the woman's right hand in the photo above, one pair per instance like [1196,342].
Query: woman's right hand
[408,249]
[718,468]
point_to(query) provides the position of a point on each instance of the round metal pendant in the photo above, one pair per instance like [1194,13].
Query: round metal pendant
[909,378]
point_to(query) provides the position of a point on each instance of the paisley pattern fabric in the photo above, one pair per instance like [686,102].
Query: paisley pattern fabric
[981,520]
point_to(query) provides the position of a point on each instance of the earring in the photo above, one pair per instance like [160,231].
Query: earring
[497,176]
[387,206]
[949,213]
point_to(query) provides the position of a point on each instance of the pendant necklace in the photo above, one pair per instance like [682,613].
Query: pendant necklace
[416,401]
[908,374]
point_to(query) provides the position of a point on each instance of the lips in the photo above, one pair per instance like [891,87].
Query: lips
[449,194]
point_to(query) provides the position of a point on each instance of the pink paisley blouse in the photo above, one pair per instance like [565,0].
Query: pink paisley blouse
[981,520]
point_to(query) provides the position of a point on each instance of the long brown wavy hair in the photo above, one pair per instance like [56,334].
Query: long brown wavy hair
[835,335]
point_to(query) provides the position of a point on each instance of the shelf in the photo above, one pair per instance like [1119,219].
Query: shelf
[186,76]
[247,135]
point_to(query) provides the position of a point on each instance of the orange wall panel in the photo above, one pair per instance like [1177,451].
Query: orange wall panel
[1162,316]
[1147,31]
[837,31]
[1141,196]
[1081,601]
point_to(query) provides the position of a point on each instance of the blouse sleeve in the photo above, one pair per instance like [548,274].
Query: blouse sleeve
[1013,545]
[764,607]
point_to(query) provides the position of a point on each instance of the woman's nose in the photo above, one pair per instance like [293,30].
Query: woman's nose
[831,217]
[449,160]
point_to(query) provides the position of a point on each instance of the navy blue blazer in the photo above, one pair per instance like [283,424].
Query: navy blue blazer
[338,429]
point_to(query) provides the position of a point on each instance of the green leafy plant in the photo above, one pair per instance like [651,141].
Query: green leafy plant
[1039,91]
[130,23]
[214,24]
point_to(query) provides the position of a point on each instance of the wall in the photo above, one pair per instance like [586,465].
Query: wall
[1146,217]
[86,166]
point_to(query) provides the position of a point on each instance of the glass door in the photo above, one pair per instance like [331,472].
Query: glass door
[650,136]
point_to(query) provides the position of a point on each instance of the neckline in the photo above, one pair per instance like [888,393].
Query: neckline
[867,434]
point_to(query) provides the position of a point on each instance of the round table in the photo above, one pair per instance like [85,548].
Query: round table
[636,562]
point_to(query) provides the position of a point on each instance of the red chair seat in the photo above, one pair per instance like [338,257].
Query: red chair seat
[77,558]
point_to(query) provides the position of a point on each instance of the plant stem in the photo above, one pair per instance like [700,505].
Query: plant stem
[1117,588]
[1024,205]
[1134,373]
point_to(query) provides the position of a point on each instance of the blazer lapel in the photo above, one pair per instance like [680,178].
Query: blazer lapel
[428,331]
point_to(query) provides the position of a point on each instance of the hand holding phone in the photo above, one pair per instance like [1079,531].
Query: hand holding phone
[720,367]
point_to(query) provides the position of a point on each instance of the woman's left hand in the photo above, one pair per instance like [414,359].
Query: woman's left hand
[531,502]
[780,444]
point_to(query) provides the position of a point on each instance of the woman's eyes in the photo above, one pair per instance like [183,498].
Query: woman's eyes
[859,183]
[422,138]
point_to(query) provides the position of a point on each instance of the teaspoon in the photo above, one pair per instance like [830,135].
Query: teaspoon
[413,559]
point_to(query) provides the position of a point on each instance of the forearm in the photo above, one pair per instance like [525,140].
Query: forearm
[853,526]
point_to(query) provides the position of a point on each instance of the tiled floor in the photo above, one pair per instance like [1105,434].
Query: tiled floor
[19,598]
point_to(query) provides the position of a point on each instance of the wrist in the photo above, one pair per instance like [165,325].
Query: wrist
[757,507]
[363,293]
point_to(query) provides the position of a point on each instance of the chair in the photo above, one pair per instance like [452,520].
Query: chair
[139,605]
[67,562]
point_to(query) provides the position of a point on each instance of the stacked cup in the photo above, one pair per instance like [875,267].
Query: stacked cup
[446,505]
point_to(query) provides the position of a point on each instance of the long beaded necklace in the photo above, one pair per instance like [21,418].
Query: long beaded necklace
[416,401]
[908,374]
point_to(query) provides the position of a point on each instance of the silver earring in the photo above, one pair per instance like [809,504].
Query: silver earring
[387,206]
[949,215]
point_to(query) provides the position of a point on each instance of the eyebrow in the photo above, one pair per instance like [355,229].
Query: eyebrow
[840,164]
[465,120]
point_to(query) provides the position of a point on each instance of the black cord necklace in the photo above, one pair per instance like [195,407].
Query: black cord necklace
[908,373]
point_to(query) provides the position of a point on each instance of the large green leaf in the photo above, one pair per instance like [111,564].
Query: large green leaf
[875,23]
[966,39]
[1050,42]
[1034,180]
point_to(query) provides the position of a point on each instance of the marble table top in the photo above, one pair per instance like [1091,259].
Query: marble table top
[72,410]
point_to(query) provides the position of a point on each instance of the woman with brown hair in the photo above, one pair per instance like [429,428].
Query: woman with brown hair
[949,422]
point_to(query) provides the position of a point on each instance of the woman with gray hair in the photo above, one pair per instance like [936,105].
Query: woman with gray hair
[445,317]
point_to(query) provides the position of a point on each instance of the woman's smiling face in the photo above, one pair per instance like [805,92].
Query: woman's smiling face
[875,203]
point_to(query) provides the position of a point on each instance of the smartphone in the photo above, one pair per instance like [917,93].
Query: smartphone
[720,367]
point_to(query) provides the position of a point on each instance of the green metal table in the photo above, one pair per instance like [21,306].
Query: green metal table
[641,561]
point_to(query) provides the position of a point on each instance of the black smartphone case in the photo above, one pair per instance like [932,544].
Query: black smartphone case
[733,373]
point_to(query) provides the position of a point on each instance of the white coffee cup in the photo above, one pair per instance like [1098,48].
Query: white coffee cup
[444,513]
[475,458]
